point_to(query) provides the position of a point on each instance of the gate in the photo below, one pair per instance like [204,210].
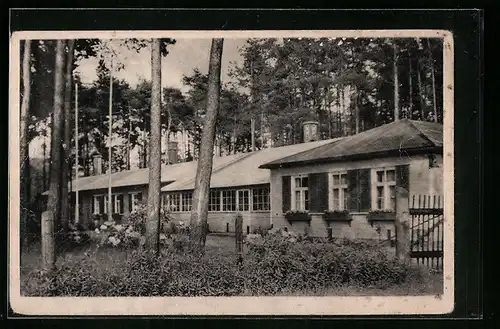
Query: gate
[427,223]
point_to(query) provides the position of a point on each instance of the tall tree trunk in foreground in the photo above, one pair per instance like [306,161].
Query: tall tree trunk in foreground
[410,87]
[24,142]
[396,83]
[66,165]
[420,92]
[54,200]
[431,64]
[153,220]
[199,211]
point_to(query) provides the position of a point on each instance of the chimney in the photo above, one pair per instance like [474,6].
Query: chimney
[310,131]
[97,164]
[172,154]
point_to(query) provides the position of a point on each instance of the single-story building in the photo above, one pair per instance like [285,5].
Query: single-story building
[355,179]
[355,176]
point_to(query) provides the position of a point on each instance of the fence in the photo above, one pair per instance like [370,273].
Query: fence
[427,223]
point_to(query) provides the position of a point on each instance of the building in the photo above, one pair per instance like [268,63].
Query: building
[355,176]
[355,179]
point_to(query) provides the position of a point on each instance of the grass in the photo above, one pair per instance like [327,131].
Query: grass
[111,258]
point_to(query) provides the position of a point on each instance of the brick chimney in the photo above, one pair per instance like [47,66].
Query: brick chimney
[172,155]
[310,130]
[97,160]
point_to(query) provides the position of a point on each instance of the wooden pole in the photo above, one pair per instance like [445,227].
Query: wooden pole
[77,215]
[110,201]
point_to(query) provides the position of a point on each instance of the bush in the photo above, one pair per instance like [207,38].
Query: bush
[277,263]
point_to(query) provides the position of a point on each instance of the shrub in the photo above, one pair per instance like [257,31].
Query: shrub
[276,263]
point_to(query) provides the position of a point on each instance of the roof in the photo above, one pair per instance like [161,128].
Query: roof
[245,171]
[169,173]
[402,135]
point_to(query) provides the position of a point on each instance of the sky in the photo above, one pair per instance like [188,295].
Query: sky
[183,57]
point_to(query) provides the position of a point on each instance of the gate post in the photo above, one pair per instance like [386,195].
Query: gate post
[48,243]
[402,225]
[239,236]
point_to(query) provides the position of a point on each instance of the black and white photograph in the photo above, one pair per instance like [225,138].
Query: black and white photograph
[269,172]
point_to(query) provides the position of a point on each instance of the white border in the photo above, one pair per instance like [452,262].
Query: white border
[375,305]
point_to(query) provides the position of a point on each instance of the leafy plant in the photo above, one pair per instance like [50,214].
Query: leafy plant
[297,215]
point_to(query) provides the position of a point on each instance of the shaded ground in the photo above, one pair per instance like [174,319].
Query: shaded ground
[225,245]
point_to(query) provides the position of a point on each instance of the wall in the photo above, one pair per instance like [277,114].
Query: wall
[217,221]
[86,198]
[423,181]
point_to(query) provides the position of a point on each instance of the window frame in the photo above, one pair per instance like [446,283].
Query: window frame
[302,191]
[263,199]
[131,197]
[343,203]
[248,200]
[386,188]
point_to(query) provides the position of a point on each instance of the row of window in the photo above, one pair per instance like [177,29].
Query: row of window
[100,203]
[256,199]
[383,190]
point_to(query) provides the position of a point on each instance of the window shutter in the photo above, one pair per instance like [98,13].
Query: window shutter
[93,206]
[403,177]
[318,192]
[364,191]
[352,186]
[286,190]
[130,202]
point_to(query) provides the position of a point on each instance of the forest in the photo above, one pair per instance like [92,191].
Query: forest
[348,85]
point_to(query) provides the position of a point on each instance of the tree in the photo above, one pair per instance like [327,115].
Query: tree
[199,212]
[24,140]
[153,220]
[67,164]
[54,199]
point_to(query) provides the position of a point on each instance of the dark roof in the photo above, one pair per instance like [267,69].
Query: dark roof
[407,136]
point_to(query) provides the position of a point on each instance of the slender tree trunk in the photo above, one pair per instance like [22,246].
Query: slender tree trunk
[24,142]
[44,168]
[420,92]
[128,140]
[53,204]
[431,65]
[356,100]
[66,165]
[153,221]
[396,83]
[410,86]
[199,211]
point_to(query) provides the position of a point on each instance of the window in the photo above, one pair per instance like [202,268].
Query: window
[187,201]
[229,200]
[300,193]
[260,198]
[339,192]
[384,192]
[214,201]
[133,201]
[243,200]
[118,203]
[96,206]
[174,202]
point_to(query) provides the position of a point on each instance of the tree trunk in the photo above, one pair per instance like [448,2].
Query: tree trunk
[420,92]
[431,64]
[53,204]
[356,100]
[66,164]
[410,86]
[153,220]
[396,83]
[24,142]
[199,212]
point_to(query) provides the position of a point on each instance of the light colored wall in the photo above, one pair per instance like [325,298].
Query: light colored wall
[217,221]
[422,181]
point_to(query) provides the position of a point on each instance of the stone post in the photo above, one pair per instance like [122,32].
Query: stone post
[48,241]
[402,225]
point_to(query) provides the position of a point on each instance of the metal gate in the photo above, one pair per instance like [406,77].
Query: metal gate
[427,223]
